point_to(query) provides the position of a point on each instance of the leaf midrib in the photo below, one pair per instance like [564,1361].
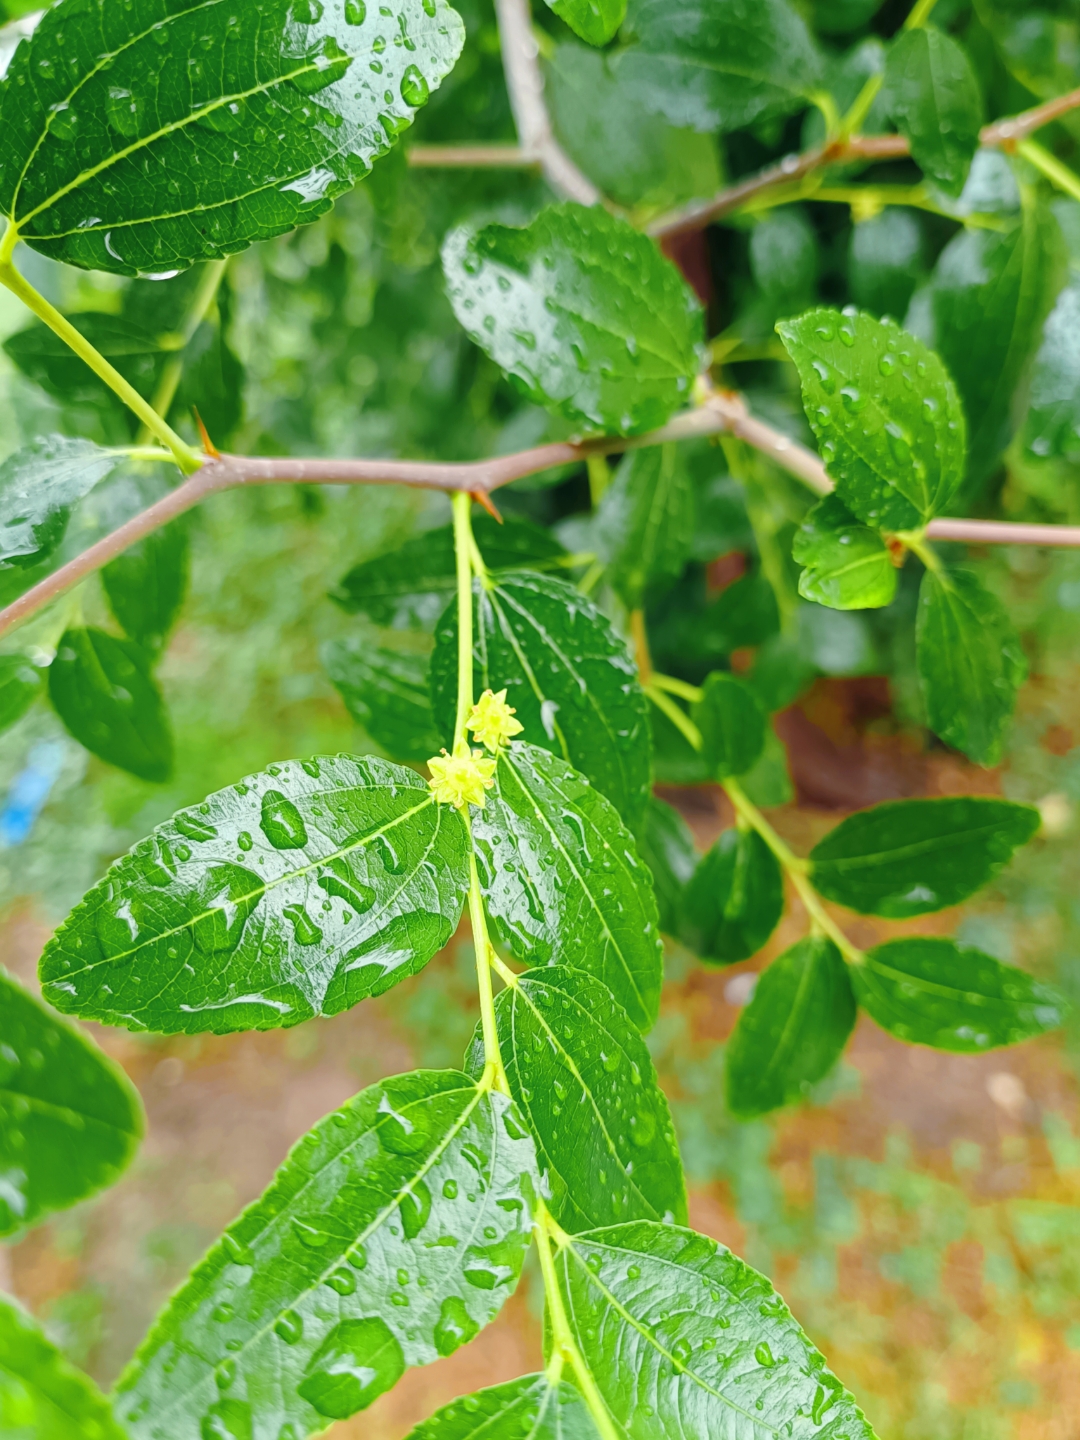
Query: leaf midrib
[874,858]
[60,1112]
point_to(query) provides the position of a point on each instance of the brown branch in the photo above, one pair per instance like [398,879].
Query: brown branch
[451,157]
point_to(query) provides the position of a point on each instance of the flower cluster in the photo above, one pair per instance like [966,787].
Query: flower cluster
[492,720]
[461,778]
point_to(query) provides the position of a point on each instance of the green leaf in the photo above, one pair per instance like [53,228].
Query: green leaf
[585,1084]
[911,857]
[391,1235]
[970,663]
[667,847]
[385,689]
[847,564]
[930,991]
[568,675]
[734,900]
[38,486]
[530,1408]
[562,879]
[733,725]
[42,1395]
[719,64]
[583,312]
[104,692]
[213,379]
[768,782]
[410,586]
[793,1031]
[70,1120]
[644,525]
[885,261]
[44,358]
[20,685]
[298,892]
[933,96]
[684,1339]
[596,21]
[1052,427]
[145,586]
[142,138]
[784,258]
[895,459]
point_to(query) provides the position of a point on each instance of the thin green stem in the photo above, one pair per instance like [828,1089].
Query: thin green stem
[463,543]
[829,113]
[675,714]
[599,477]
[855,118]
[865,200]
[1050,166]
[915,540]
[919,14]
[484,953]
[692,693]
[173,369]
[188,459]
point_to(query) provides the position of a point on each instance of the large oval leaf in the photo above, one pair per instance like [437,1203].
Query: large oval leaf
[298,892]
[562,879]
[391,1235]
[42,1395]
[645,523]
[385,689]
[585,1084]
[70,1120]
[530,1408]
[571,679]
[145,136]
[684,1339]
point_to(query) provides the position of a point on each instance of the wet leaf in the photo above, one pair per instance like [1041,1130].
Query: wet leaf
[392,1234]
[38,486]
[42,1395]
[847,565]
[20,685]
[70,1120]
[146,585]
[44,358]
[529,1408]
[298,892]
[734,899]
[644,525]
[1052,428]
[385,689]
[667,847]
[733,725]
[933,96]
[596,21]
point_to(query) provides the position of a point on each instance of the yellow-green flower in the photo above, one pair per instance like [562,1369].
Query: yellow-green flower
[492,720]
[461,778]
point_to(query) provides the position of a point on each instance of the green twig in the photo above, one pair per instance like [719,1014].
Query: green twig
[463,546]
[919,15]
[484,954]
[1049,165]
[853,121]
[173,369]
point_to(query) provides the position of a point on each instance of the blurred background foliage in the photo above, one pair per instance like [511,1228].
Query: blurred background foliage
[922,1214]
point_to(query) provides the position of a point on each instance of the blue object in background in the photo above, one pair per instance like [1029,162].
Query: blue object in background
[29,792]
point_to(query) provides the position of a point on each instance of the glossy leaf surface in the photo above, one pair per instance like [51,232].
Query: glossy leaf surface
[911,857]
[103,690]
[583,312]
[733,725]
[1052,429]
[895,459]
[563,881]
[933,96]
[391,1235]
[719,64]
[38,486]
[596,21]
[569,676]
[145,586]
[529,1408]
[385,689]
[734,900]
[645,523]
[142,138]
[970,661]
[298,892]
[684,1339]
[931,991]
[585,1084]
[42,1395]
[793,1031]
[667,847]
[20,685]
[847,564]
[70,1120]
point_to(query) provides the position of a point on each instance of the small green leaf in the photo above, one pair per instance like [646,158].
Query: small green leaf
[145,137]
[584,1081]
[1052,428]
[768,782]
[569,676]
[298,892]
[734,900]
[103,690]
[530,1408]
[970,663]
[596,21]
[70,1120]
[563,882]
[886,260]
[847,564]
[410,586]
[719,64]
[385,689]
[895,458]
[145,586]
[667,847]
[38,486]
[214,376]
[583,312]
[793,1031]
[42,1395]
[684,1339]
[645,523]
[391,1235]
[931,991]
[933,96]
[911,857]
[20,685]
[733,725]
